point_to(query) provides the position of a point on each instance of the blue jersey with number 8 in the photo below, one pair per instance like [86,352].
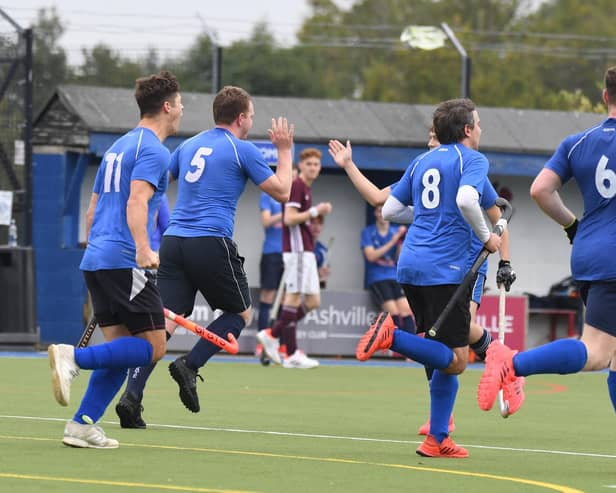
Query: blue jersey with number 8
[437,246]
[590,158]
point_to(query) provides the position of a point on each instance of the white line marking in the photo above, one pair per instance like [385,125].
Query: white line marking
[333,437]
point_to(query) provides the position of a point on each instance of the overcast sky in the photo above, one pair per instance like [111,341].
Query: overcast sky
[170,26]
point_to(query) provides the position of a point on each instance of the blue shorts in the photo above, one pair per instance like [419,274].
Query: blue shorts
[478,288]
[600,300]
[388,290]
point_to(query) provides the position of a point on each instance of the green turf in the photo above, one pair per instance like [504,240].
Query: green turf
[314,416]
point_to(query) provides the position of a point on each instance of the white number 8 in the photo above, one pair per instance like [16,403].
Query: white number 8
[430,197]
[603,175]
[198,160]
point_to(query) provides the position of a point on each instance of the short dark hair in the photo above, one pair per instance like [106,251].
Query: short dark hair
[450,118]
[152,91]
[229,103]
[610,85]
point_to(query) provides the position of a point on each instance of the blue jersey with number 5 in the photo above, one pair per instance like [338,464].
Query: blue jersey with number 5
[438,243]
[212,168]
[590,158]
[137,155]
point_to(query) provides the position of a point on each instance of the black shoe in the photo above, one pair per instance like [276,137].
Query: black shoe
[129,410]
[186,378]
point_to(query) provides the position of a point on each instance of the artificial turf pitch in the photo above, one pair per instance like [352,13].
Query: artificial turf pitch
[337,428]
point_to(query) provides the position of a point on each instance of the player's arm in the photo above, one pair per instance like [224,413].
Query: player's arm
[544,191]
[293,216]
[90,213]
[268,219]
[343,156]
[397,212]
[467,200]
[373,254]
[278,185]
[137,218]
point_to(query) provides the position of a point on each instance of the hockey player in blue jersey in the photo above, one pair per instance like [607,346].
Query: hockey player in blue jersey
[443,186]
[127,191]
[588,157]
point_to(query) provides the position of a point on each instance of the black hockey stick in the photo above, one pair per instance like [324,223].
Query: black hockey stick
[499,229]
[87,333]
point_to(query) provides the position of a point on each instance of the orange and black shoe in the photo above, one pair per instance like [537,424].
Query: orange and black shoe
[447,449]
[513,395]
[380,335]
[498,373]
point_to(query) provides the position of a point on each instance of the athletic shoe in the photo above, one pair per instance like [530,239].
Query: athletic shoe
[87,436]
[63,370]
[129,411]
[447,449]
[271,345]
[498,372]
[258,350]
[513,395]
[424,429]
[186,378]
[380,335]
[299,360]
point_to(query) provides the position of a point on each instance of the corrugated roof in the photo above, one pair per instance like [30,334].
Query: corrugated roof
[112,110]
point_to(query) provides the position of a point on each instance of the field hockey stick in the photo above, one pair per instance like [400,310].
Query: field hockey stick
[87,333]
[499,229]
[231,346]
[503,405]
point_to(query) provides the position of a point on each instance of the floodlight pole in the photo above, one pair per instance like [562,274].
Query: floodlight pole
[466,61]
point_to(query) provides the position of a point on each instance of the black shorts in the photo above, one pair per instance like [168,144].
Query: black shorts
[428,302]
[383,291]
[208,264]
[270,270]
[126,296]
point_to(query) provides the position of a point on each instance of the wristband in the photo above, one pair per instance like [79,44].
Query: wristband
[313,212]
[503,263]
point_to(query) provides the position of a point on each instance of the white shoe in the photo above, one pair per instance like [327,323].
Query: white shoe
[63,370]
[87,436]
[299,360]
[270,345]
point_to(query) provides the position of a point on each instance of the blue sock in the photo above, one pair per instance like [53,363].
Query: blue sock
[138,377]
[443,391]
[563,356]
[104,384]
[204,350]
[123,352]
[408,324]
[425,351]
[611,386]
[264,314]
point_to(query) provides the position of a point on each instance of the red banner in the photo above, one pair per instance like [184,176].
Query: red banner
[516,318]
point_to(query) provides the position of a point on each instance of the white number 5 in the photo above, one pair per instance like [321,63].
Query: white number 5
[199,162]
[605,179]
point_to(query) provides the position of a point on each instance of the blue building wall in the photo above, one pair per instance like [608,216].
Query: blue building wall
[60,289]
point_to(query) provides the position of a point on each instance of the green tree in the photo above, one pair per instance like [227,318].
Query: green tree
[49,64]
[106,67]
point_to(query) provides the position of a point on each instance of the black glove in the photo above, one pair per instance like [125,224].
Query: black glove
[571,230]
[505,274]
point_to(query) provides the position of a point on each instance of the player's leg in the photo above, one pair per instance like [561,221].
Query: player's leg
[130,313]
[308,284]
[592,352]
[479,338]
[270,273]
[216,268]
[179,294]
[407,320]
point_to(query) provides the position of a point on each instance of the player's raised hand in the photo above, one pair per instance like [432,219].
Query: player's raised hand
[342,155]
[324,208]
[281,133]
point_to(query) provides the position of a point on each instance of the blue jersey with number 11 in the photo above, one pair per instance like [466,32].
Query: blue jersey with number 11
[590,158]
[137,155]
[438,242]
